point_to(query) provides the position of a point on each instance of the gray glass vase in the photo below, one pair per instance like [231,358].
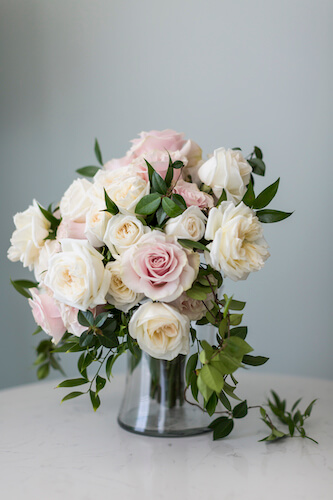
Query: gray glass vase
[154,403]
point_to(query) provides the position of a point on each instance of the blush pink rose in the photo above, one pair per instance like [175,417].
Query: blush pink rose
[70,229]
[192,195]
[47,314]
[69,317]
[159,267]
[116,163]
[161,140]
[159,160]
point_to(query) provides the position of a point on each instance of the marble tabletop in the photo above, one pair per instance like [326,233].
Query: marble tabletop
[66,451]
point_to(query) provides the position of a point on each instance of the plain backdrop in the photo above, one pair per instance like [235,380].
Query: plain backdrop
[227,73]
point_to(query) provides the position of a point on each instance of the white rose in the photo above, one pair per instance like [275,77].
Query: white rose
[75,203]
[238,247]
[49,249]
[119,294]
[160,330]
[96,222]
[29,237]
[124,186]
[122,232]
[77,276]
[228,170]
[190,224]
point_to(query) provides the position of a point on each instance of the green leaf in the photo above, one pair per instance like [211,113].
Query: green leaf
[109,341]
[100,319]
[179,200]
[89,358]
[223,197]
[222,427]
[98,153]
[148,204]
[150,169]
[295,404]
[73,382]
[229,390]
[21,290]
[111,207]
[85,318]
[43,371]
[160,216]
[108,366]
[203,388]
[100,383]
[95,401]
[86,338]
[240,410]
[89,171]
[38,330]
[223,327]
[171,208]
[190,367]
[258,166]
[249,196]
[40,358]
[211,404]
[169,174]
[225,401]
[239,331]
[266,196]
[308,411]
[258,152]
[192,244]
[72,395]
[237,347]
[198,292]
[212,377]
[177,164]
[235,319]
[194,386]
[49,216]
[234,305]
[254,360]
[26,283]
[158,183]
[268,216]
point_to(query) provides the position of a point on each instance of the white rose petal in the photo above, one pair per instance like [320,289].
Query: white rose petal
[75,203]
[49,249]
[29,237]
[238,245]
[122,232]
[228,170]
[96,222]
[161,330]
[119,294]
[77,276]
[190,224]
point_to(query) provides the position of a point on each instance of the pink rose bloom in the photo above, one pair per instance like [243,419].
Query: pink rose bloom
[192,194]
[47,314]
[69,229]
[162,140]
[159,267]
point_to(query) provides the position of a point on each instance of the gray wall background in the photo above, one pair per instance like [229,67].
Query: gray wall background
[227,73]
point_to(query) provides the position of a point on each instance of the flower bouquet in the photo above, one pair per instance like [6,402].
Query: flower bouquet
[134,260]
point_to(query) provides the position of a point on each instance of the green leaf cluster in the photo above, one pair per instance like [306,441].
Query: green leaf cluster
[293,419]
[222,426]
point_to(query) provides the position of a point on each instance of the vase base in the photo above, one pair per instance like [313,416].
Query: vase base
[175,422]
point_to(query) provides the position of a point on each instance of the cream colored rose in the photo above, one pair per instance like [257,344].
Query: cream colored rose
[50,248]
[75,203]
[161,330]
[190,224]
[77,276]
[228,170]
[119,294]
[29,237]
[123,231]
[96,222]
[238,247]
[125,186]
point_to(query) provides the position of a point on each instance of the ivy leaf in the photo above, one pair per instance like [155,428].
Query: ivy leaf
[266,196]
[171,208]
[158,183]
[89,171]
[98,153]
[240,410]
[148,204]
[268,216]
[111,207]
[254,360]
[222,427]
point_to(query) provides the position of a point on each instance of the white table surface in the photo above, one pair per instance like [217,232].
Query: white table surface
[52,451]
